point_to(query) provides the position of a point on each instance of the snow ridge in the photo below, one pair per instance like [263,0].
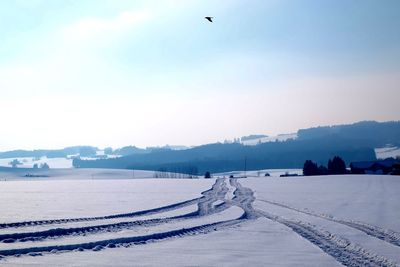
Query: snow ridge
[244,198]
[217,192]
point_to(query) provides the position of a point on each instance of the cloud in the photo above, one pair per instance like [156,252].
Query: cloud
[29,3]
[90,27]
[71,59]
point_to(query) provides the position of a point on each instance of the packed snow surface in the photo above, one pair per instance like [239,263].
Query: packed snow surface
[73,174]
[350,220]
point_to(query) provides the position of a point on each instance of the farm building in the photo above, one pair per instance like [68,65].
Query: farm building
[374,167]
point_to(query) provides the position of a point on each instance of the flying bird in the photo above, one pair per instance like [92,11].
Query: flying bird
[210,19]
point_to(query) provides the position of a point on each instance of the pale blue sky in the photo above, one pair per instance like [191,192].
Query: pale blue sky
[120,72]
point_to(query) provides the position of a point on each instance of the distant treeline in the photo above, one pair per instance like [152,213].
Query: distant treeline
[369,133]
[227,157]
[84,151]
[335,166]
[355,142]
[252,137]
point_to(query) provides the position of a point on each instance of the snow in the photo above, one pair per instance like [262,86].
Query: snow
[75,174]
[54,163]
[260,173]
[280,138]
[28,162]
[258,243]
[369,198]
[40,200]
[387,152]
[259,221]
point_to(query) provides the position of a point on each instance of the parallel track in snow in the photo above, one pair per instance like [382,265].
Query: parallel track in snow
[342,250]
[117,242]
[114,216]
[208,193]
[386,235]
[205,207]
[74,231]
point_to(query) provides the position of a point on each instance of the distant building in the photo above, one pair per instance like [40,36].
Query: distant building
[396,169]
[374,167]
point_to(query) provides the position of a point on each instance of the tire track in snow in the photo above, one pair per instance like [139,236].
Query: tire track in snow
[125,241]
[115,216]
[206,202]
[386,235]
[340,249]
[243,199]
[174,206]
[62,232]
[205,207]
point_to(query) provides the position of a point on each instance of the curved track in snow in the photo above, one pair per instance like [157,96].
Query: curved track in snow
[117,242]
[342,250]
[114,216]
[205,205]
[386,235]
[217,192]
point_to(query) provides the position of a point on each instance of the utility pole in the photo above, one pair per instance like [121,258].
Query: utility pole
[245,166]
[133,173]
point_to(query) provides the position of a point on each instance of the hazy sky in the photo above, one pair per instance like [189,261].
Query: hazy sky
[122,72]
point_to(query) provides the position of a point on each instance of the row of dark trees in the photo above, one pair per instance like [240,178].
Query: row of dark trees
[183,172]
[43,166]
[14,163]
[335,166]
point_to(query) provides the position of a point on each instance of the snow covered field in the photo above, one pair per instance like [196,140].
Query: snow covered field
[73,174]
[259,221]
[387,152]
[28,162]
